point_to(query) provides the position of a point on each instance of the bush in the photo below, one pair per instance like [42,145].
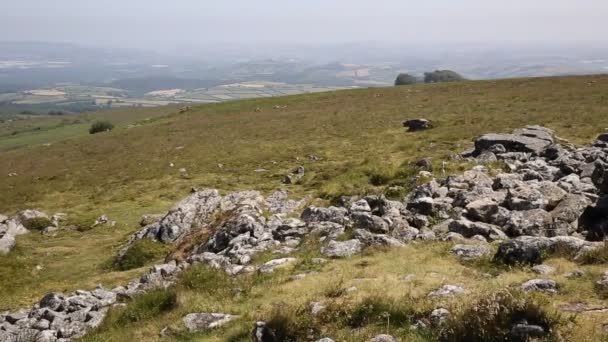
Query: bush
[37,223]
[492,317]
[405,79]
[140,253]
[146,306]
[101,126]
[438,76]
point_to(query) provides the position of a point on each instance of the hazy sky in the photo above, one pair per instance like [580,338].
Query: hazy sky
[165,23]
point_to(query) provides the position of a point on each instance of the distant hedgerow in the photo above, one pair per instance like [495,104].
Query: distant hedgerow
[101,126]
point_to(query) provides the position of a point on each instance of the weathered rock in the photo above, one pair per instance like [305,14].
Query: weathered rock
[530,250]
[316,308]
[53,301]
[275,264]
[372,223]
[438,316]
[294,176]
[371,239]
[600,177]
[331,214]
[469,229]
[543,269]
[414,125]
[482,209]
[200,322]
[524,331]
[149,219]
[602,284]
[383,338]
[511,142]
[422,205]
[339,249]
[543,285]
[7,243]
[447,291]
[470,252]
[330,230]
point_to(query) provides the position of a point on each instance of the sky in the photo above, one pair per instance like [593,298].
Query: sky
[168,24]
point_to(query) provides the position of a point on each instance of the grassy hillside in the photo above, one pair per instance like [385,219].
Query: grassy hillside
[356,133]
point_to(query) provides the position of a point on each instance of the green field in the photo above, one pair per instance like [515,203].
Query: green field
[357,134]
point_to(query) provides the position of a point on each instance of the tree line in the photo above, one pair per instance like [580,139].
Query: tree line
[436,76]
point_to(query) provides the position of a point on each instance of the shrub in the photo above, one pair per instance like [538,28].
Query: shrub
[140,253]
[405,79]
[37,223]
[438,76]
[146,306]
[491,318]
[101,126]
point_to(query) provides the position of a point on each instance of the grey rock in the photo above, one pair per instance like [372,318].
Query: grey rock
[360,206]
[511,142]
[438,316]
[482,209]
[7,243]
[316,308]
[371,239]
[325,339]
[200,322]
[470,252]
[383,338]
[331,214]
[543,285]
[372,223]
[262,333]
[530,250]
[329,229]
[420,124]
[339,249]
[600,177]
[543,269]
[469,229]
[524,331]
[447,291]
[273,265]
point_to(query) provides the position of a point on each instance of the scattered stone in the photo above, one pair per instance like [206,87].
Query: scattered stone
[542,285]
[383,338]
[447,291]
[438,316]
[470,252]
[543,269]
[414,125]
[275,264]
[200,322]
[340,249]
[316,308]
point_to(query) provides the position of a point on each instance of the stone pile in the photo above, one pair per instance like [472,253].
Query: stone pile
[549,197]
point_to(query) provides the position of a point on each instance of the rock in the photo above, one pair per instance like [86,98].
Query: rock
[275,264]
[360,206]
[7,243]
[482,209]
[602,284]
[531,250]
[524,331]
[594,220]
[372,223]
[339,249]
[371,239]
[330,230]
[543,269]
[200,322]
[574,274]
[470,252]
[331,214]
[414,125]
[425,164]
[469,229]
[316,308]
[422,205]
[325,339]
[294,176]
[383,338]
[543,285]
[103,219]
[511,142]
[439,316]
[447,291]
[262,333]
[53,301]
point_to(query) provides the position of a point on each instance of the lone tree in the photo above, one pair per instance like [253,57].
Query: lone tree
[405,79]
[101,126]
[442,76]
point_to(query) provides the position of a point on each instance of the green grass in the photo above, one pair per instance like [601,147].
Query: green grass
[141,253]
[363,149]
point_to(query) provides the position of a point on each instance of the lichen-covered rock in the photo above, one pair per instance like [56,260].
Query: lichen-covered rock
[470,252]
[339,249]
[200,322]
[543,285]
